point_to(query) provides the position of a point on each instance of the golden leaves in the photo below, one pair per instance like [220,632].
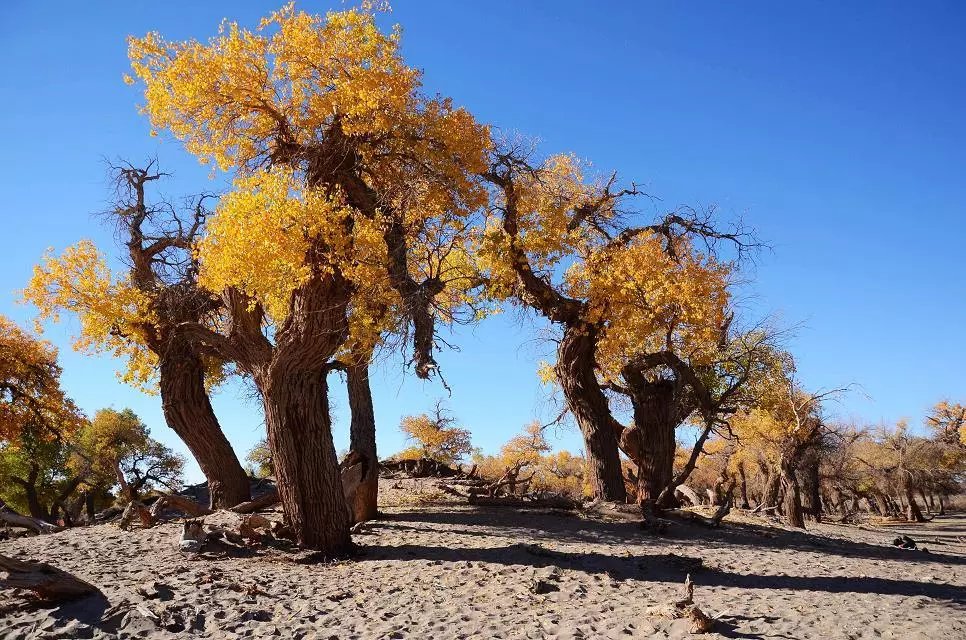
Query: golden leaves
[115,317]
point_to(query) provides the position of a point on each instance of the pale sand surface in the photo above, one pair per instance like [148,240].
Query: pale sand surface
[449,571]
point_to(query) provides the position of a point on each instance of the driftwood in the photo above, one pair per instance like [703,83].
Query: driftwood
[46,581]
[14,519]
[261,502]
[685,608]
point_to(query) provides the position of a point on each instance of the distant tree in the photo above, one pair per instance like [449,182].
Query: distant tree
[120,450]
[259,459]
[436,437]
[37,424]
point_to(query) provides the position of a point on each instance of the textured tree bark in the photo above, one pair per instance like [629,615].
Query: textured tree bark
[362,440]
[46,581]
[656,417]
[793,497]
[769,497]
[188,411]
[743,487]
[812,500]
[913,512]
[586,400]
[29,486]
[296,403]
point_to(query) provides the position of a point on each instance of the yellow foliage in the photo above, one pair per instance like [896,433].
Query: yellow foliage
[32,403]
[297,108]
[435,438]
[115,317]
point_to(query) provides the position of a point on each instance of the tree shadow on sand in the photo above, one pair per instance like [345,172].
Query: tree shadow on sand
[662,567]
[568,528]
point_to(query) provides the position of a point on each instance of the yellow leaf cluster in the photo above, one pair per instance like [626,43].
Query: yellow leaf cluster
[115,317]
[650,301]
[32,403]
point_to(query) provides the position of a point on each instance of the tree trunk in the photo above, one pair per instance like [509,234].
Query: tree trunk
[743,487]
[655,421]
[812,486]
[586,400]
[942,506]
[769,497]
[299,428]
[793,498]
[362,440]
[187,410]
[913,513]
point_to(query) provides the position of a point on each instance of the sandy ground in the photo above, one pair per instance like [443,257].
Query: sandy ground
[448,571]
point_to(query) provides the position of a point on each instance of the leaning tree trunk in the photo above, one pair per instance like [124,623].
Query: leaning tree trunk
[362,440]
[299,429]
[188,411]
[586,400]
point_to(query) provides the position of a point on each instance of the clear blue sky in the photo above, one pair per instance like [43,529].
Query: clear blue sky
[838,132]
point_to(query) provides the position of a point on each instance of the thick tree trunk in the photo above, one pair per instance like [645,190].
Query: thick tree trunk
[913,513]
[300,437]
[769,496]
[655,421]
[188,411]
[362,440]
[586,400]
[743,487]
[811,494]
[793,498]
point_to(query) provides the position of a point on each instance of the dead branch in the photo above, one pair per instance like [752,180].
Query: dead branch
[261,502]
[14,519]
[46,581]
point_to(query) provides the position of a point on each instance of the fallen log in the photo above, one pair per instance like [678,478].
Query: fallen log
[181,503]
[261,502]
[49,583]
[36,525]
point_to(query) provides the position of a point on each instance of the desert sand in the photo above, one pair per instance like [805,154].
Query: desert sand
[431,569]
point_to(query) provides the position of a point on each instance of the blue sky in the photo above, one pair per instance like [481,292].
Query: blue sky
[836,131]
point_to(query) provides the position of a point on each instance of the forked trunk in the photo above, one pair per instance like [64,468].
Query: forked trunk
[586,400]
[659,408]
[188,412]
[362,440]
[300,436]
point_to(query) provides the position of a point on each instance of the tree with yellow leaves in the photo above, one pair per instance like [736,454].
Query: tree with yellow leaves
[557,243]
[436,437]
[139,315]
[117,448]
[37,421]
[353,193]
